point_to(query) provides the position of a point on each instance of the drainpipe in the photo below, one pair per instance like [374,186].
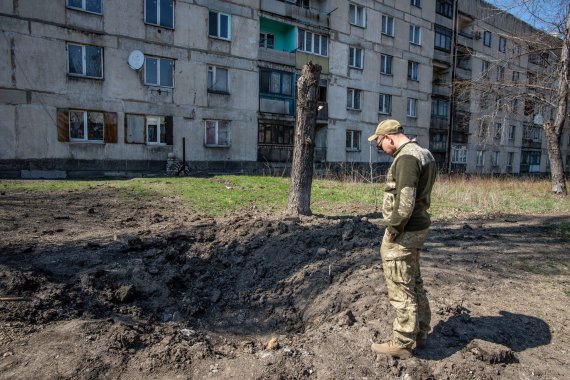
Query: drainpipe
[452,98]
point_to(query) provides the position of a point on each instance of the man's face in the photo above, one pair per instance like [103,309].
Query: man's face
[384,142]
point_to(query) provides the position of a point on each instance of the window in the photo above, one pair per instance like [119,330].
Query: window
[416,3]
[444,8]
[480,158]
[413,71]
[443,38]
[415,35]
[498,130]
[159,72]
[516,76]
[220,25]
[385,107]
[159,13]
[412,108]
[483,130]
[218,79]
[496,158]
[267,40]
[512,131]
[275,134]
[155,130]
[514,105]
[500,73]
[353,140]
[86,126]
[312,43]
[484,68]
[458,154]
[502,44]
[85,60]
[217,133]
[510,159]
[357,15]
[276,83]
[487,38]
[531,77]
[386,64]
[93,6]
[387,25]
[353,99]
[440,108]
[355,57]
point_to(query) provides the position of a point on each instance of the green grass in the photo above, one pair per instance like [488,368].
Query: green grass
[219,195]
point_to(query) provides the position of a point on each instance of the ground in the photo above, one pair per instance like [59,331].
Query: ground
[115,286]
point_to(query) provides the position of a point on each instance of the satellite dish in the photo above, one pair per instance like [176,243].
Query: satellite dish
[136,59]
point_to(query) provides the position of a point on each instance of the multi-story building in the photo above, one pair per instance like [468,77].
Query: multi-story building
[117,87]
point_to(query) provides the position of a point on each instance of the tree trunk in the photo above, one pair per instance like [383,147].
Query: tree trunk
[304,149]
[554,131]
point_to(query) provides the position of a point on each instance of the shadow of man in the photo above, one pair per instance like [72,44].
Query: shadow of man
[518,332]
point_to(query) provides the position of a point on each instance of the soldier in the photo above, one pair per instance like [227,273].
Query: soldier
[409,182]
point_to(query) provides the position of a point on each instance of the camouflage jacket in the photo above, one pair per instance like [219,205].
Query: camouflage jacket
[409,182]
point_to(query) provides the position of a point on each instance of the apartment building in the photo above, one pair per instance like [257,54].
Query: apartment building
[91,87]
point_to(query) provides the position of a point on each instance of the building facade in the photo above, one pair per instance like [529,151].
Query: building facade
[91,87]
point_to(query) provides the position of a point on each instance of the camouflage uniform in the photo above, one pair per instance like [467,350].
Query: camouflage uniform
[406,199]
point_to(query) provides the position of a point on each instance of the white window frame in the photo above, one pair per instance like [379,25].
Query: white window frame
[414,71]
[83,7]
[354,55]
[412,107]
[496,158]
[216,125]
[387,27]
[386,64]
[512,132]
[502,44]
[158,6]
[458,154]
[216,71]
[264,38]
[354,99]
[385,104]
[416,3]
[501,73]
[498,129]
[357,15]
[353,137]
[160,123]
[84,61]
[480,158]
[306,38]
[487,38]
[415,35]
[510,159]
[85,127]
[219,23]
[158,79]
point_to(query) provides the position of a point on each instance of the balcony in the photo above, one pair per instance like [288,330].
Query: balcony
[439,123]
[459,137]
[276,56]
[277,105]
[462,72]
[440,88]
[284,153]
[316,14]
[442,55]
[465,39]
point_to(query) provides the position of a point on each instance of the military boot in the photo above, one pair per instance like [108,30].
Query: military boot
[392,349]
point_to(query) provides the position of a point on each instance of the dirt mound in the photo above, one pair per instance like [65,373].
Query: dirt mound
[131,289]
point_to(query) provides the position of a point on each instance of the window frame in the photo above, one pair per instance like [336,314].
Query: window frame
[512,132]
[216,143]
[480,158]
[415,34]
[487,38]
[440,106]
[160,128]
[353,57]
[263,36]
[444,8]
[501,73]
[416,3]
[353,137]
[353,18]
[214,70]
[219,15]
[414,71]
[459,154]
[303,46]
[385,104]
[290,92]
[442,34]
[158,14]
[85,121]
[158,79]
[387,26]
[83,7]
[353,99]
[502,44]
[516,76]
[496,158]
[386,64]
[84,61]
[412,107]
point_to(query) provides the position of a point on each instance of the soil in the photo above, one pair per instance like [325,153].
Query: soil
[105,285]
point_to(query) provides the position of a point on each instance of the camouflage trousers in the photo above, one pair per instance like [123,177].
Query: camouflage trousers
[401,263]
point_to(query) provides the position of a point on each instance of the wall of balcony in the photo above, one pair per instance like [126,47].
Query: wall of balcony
[316,15]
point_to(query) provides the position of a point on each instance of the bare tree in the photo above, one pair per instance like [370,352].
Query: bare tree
[304,142]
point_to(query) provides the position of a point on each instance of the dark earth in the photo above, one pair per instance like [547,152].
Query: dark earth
[105,285]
